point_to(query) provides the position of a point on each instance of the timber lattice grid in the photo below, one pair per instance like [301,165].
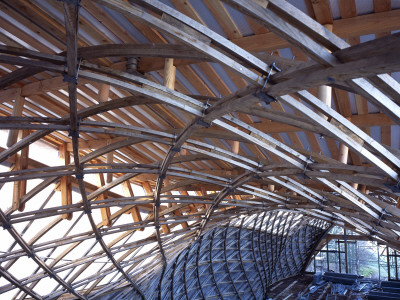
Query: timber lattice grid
[260,140]
[239,260]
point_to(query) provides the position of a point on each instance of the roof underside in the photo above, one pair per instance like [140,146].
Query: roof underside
[174,118]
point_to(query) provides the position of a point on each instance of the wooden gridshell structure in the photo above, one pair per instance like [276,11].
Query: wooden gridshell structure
[194,102]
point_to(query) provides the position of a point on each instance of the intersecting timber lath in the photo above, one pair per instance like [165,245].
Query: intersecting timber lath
[209,153]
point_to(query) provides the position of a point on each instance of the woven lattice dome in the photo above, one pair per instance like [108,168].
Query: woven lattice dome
[190,149]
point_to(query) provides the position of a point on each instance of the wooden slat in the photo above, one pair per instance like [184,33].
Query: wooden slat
[65,181]
[223,18]
[322,11]
[18,108]
[105,211]
[344,28]
[169,73]
[135,210]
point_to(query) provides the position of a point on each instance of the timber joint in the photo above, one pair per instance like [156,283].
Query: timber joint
[77,3]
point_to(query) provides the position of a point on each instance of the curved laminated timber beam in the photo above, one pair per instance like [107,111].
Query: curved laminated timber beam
[218,169]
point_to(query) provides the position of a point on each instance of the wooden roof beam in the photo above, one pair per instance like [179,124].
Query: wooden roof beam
[344,28]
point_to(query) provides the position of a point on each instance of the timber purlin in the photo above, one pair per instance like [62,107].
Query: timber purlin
[225,142]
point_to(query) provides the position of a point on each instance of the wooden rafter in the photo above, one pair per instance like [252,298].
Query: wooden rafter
[147,94]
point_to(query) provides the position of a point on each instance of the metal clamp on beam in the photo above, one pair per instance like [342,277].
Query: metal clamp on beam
[69,78]
[73,133]
[6,226]
[87,211]
[207,105]
[274,67]
[175,149]
[31,254]
[309,160]
[203,123]
[73,2]
[395,188]
[256,176]
[263,96]
[323,201]
[79,176]
[303,175]
[381,216]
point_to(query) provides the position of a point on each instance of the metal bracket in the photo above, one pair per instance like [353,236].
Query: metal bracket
[203,123]
[256,176]
[77,3]
[79,176]
[394,188]
[31,254]
[73,133]
[309,160]
[207,105]
[6,226]
[175,149]
[381,216]
[265,97]
[303,175]
[69,78]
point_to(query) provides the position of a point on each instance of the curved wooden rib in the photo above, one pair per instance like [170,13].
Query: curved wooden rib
[189,156]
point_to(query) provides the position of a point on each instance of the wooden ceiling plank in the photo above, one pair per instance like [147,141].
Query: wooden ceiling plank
[65,181]
[322,11]
[32,26]
[186,8]
[223,18]
[18,108]
[42,17]
[136,216]
[382,5]
[344,28]
[116,29]
[23,36]
[216,80]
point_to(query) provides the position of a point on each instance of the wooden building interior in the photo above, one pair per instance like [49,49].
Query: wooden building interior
[191,149]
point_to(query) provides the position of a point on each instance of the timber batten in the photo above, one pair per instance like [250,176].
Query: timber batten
[218,168]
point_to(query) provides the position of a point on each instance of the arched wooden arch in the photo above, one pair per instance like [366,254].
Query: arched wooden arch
[196,137]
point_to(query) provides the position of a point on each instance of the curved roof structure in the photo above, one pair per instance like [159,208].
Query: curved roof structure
[195,138]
